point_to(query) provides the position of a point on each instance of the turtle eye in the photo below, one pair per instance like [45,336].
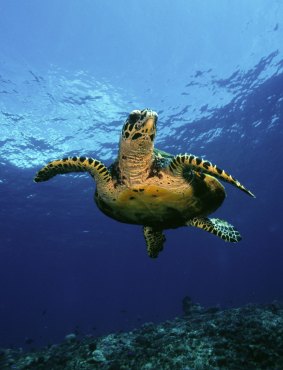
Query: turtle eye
[134,117]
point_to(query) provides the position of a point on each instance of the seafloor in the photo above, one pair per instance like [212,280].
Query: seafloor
[249,337]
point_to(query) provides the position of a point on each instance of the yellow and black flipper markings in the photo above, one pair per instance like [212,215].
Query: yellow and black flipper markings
[154,241]
[218,227]
[94,167]
[180,161]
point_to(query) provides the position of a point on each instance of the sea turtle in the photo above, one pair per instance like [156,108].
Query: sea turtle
[149,187]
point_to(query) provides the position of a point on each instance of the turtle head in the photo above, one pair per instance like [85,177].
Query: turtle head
[136,145]
[140,128]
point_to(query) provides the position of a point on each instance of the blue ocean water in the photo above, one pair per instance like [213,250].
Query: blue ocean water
[70,72]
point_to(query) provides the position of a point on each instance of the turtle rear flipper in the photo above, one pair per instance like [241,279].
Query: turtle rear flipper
[218,227]
[94,167]
[154,241]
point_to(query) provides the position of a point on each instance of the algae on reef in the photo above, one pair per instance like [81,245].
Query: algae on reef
[250,337]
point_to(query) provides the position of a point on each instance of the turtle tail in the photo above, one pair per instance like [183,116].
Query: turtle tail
[74,164]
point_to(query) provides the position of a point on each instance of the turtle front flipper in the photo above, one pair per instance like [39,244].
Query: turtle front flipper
[94,167]
[154,241]
[218,227]
[181,161]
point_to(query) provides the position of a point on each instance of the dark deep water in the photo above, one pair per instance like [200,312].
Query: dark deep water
[69,74]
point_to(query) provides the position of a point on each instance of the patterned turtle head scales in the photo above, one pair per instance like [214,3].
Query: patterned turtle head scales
[139,128]
[136,146]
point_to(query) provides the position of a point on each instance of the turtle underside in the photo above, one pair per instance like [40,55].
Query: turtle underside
[162,200]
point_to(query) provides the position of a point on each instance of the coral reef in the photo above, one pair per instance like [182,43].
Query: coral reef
[250,337]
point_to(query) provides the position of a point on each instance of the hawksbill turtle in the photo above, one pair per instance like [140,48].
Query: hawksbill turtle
[152,188]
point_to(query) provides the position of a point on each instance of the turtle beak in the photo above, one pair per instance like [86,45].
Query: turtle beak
[149,118]
[150,124]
